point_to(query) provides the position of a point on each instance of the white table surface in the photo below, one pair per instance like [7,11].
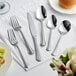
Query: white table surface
[20,8]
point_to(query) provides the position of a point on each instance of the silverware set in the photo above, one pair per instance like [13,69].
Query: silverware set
[41,15]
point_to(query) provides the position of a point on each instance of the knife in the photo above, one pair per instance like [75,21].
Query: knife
[34,36]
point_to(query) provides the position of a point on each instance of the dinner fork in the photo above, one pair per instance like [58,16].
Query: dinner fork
[14,42]
[16,26]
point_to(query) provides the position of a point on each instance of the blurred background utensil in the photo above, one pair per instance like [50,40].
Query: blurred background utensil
[4,7]
[63,29]
[41,15]
[34,36]
[17,27]
[14,42]
[51,24]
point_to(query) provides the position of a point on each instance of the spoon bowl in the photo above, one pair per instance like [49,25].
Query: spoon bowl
[52,22]
[41,13]
[65,28]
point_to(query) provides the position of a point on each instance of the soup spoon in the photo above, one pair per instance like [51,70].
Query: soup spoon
[63,29]
[51,24]
[41,15]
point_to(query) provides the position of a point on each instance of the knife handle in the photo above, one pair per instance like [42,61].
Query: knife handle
[30,50]
[43,43]
[37,50]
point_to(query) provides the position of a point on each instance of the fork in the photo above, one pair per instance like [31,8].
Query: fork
[14,42]
[17,27]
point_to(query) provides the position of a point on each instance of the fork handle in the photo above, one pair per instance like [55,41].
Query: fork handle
[19,63]
[23,59]
[30,50]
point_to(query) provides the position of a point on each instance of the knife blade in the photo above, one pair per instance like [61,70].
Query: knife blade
[34,36]
[31,25]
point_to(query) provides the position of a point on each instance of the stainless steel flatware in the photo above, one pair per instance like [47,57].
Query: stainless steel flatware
[34,36]
[51,24]
[14,42]
[63,29]
[17,27]
[41,15]
[15,57]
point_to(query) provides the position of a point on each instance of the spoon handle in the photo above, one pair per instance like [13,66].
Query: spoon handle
[56,45]
[49,42]
[43,43]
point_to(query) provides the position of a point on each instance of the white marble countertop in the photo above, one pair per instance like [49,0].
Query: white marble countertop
[20,8]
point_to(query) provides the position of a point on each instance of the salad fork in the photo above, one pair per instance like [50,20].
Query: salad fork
[14,42]
[17,27]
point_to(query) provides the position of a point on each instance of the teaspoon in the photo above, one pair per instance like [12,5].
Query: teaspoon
[63,29]
[51,24]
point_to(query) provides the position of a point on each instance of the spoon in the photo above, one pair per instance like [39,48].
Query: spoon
[51,24]
[41,15]
[63,29]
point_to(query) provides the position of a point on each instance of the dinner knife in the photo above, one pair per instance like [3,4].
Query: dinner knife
[34,36]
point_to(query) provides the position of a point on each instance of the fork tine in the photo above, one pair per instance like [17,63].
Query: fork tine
[14,22]
[12,19]
[11,36]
